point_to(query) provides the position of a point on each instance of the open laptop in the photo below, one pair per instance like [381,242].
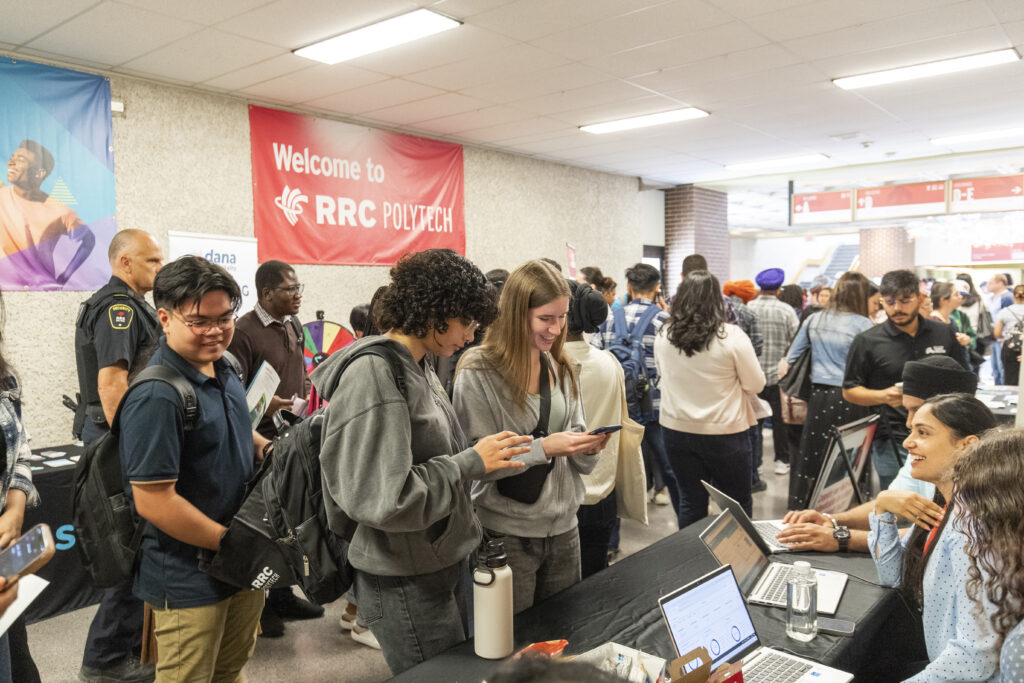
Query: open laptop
[764,582]
[710,613]
[763,531]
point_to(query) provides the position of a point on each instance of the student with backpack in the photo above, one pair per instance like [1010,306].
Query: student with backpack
[629,334]
[396,462]
[187,483]
[1009,328]
[521,379]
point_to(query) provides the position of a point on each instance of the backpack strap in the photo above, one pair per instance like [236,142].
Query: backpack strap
[168,375]
[542,428]
[645,320]
[235,365]
[388,354]
[619,327]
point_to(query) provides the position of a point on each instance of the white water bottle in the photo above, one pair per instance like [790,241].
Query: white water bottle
[492,603]
[802,603]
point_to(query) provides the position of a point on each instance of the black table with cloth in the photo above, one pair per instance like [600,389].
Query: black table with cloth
[70,587]
[620,604]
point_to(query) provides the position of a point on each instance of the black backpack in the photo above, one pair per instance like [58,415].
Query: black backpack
[281,534]
[628,347]
[108,530]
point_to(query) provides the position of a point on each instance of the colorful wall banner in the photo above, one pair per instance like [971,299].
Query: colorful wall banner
[236,254]
[57,192]
[326,192]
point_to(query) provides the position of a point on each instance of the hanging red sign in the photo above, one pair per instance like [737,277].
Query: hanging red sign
[898,201]
[823,207]
[997,252]
[326,192]
[1001,193]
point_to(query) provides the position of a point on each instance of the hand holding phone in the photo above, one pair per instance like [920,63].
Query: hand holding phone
[605,430]
[27,554]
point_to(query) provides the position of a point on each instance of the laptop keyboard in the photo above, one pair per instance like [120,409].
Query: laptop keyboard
[775,668]
[767,532]
[774,590]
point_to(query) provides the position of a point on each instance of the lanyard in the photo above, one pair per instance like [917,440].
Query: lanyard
[931,534]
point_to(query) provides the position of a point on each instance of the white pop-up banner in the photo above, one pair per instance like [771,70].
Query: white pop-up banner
[236,254]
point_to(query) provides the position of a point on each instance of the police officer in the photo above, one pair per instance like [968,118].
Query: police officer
[115,332]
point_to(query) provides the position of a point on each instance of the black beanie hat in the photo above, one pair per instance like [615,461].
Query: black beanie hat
[587,309]
[937,374]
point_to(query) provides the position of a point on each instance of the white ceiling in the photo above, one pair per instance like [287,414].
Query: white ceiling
[522,75]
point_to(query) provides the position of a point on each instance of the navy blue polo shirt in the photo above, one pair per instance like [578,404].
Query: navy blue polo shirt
[211,468]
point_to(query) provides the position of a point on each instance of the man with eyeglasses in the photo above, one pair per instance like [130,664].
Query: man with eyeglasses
[874,365]
[272,333]
[115,331]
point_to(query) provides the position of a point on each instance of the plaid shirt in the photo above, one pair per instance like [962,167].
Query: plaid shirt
[747,322]
[633,310]
[19,472]
[778,323]
[268,319]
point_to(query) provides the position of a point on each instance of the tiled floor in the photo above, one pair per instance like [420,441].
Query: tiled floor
[317,651]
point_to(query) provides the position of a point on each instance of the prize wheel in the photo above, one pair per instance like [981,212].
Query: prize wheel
[322,339]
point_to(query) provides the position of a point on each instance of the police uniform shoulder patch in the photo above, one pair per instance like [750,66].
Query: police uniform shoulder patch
[121,316]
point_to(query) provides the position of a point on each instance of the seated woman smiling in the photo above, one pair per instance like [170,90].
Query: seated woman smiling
[932,566]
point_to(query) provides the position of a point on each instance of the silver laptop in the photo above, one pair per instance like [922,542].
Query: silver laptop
[710,613]
[764,582]
[764,530]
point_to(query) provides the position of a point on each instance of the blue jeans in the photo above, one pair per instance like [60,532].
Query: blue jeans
[722,460]
[884,456]
[414,618]
[997,362]
[656,463]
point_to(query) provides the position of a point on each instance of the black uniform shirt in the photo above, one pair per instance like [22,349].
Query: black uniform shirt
[877,357]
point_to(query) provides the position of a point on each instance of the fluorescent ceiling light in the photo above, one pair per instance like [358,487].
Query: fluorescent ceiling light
[781,164]
[404,28]
[977,137]
[945,66]
[644,121]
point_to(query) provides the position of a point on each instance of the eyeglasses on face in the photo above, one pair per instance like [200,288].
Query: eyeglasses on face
[293,289]
[902,301]
[207,325]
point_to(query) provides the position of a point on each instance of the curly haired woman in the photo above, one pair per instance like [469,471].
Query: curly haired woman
[398,464]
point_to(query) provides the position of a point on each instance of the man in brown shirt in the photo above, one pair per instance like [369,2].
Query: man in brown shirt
[272,333]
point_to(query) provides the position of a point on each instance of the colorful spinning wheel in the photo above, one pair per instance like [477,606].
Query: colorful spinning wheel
[322,339]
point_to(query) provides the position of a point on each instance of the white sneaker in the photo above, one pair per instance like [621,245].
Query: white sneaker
[662,497]
[781,467]
[364,636]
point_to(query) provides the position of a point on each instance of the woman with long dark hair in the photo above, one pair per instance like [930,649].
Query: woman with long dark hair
[931,566]
[708,371]
[987,489]
[829,334]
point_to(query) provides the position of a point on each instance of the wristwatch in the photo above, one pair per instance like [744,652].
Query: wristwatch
[842,536]
[831,519]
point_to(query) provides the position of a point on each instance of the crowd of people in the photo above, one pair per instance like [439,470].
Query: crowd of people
[490,435]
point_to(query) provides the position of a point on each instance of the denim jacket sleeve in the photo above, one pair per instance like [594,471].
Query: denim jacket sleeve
[800,342]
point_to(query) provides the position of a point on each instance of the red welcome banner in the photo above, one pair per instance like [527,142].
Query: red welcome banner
[326,192]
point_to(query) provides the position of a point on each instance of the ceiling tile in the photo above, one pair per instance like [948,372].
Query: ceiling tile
[717,40]
[463,43]
[743,9]
[515,129]
[204,55]
[296,23]
[261,71]
[375,96]
[23,20]
[312,83]
[527,20]
[830,15]
[497,65]
[726,67]
[489,116]
[543,82]
[112,34]
[737,91]
[1015,30]
[657,23]
[462,9]
[614,110]
[199,11]
[1007,10]
[581,98]
[445,104]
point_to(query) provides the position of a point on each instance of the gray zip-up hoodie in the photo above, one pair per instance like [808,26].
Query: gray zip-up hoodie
[388,464]
[485,406]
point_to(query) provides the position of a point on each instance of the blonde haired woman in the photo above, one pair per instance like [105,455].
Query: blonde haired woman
[518,374]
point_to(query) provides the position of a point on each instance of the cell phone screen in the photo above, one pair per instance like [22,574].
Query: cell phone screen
[22,553]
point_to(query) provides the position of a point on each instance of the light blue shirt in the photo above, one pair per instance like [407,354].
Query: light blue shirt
[957,630]
[830,334]
[905,481]
[1011,657]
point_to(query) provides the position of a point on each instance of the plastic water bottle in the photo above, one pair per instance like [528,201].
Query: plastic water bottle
[492,603]
[802,603]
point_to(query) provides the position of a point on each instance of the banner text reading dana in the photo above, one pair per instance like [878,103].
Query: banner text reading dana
[333,193]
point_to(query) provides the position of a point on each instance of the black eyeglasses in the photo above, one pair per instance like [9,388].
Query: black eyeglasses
[293,290]
[207,325]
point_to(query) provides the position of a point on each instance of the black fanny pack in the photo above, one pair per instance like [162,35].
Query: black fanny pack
[526,487]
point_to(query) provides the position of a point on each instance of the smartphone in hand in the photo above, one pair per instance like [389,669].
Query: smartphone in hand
[605,430]
[27,554]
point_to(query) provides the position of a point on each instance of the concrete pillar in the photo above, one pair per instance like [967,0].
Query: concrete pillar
[696,222]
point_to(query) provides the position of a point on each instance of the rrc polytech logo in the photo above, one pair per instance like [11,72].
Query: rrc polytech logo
[290,202]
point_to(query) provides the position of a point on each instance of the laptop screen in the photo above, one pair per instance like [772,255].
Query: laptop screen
[711,613]
[730,543]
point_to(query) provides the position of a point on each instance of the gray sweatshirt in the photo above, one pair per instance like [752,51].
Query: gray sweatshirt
[388,464]
[485,406]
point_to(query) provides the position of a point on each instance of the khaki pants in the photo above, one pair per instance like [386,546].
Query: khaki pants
[210,643]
